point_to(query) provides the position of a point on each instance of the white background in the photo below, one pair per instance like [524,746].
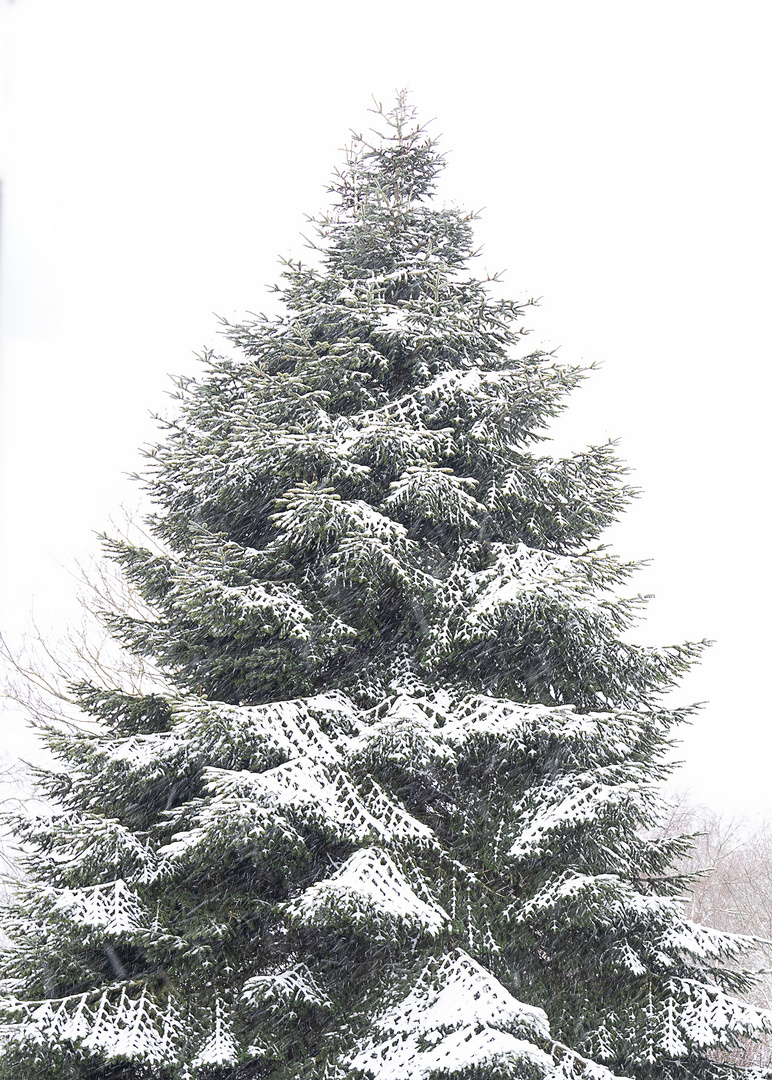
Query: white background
[159,155]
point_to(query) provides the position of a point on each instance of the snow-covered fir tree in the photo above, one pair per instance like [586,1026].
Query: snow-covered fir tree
[390,815]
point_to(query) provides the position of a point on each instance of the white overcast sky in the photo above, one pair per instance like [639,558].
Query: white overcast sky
[158,156]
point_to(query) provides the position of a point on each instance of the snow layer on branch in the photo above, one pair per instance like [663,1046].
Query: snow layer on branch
[387,439]
[572,801]
[113,907]
[608,901]
[585,738]
[521,573]
[461,397]
[79,841]
[122,1021]
[220,1048]
[710,1016]
[260,735]
[703,942]
[686,1014]
[283,729]
[436,494]
[249,808]
[480,716]
[263,606]
[456,1016]
[605,898]
[406,736]
[315,516]
[285,988]
[371,892]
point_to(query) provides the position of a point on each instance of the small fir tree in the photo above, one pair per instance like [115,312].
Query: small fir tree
[390,816]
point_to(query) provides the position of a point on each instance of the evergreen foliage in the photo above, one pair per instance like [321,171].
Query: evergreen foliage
[391,814]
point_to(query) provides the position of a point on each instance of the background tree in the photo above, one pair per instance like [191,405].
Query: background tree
[386,814]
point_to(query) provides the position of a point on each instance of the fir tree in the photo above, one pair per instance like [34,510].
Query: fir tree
[390,814]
